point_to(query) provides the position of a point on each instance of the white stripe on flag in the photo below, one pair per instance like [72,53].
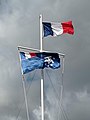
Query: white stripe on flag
[27,55]
[57,29]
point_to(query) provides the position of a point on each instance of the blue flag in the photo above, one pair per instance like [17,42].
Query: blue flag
[32,61]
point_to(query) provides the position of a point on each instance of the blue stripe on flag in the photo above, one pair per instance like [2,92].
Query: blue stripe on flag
[47,29]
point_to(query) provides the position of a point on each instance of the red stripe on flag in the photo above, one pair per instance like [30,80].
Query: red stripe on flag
[32,54]
[68,27]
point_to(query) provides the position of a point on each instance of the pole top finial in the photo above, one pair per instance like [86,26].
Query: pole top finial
[40,15]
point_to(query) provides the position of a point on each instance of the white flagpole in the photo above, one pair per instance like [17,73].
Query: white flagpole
[42,74]
[25,97]
[41,42]
[24,89]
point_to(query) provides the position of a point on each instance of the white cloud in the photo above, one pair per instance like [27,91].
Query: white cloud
[83,96]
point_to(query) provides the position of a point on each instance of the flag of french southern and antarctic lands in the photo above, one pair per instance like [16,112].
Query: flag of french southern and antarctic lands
[55,29]
[31,61]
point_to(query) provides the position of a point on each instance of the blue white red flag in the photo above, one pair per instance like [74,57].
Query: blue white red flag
[55,29]
[32,61]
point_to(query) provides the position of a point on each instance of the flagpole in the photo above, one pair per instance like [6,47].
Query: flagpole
[26,103]
[24,89]
[42,73]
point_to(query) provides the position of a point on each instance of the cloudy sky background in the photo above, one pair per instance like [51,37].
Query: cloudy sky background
[19,25]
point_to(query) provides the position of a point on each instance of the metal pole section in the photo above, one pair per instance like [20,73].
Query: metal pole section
[42,74]
[26,103]
[27,48]
[42,95]
[25,97]
[41,44]
[62,79]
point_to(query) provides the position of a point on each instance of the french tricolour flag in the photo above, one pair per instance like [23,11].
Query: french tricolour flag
[55,29]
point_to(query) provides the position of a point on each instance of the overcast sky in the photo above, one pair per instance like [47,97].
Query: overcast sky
[19,25]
